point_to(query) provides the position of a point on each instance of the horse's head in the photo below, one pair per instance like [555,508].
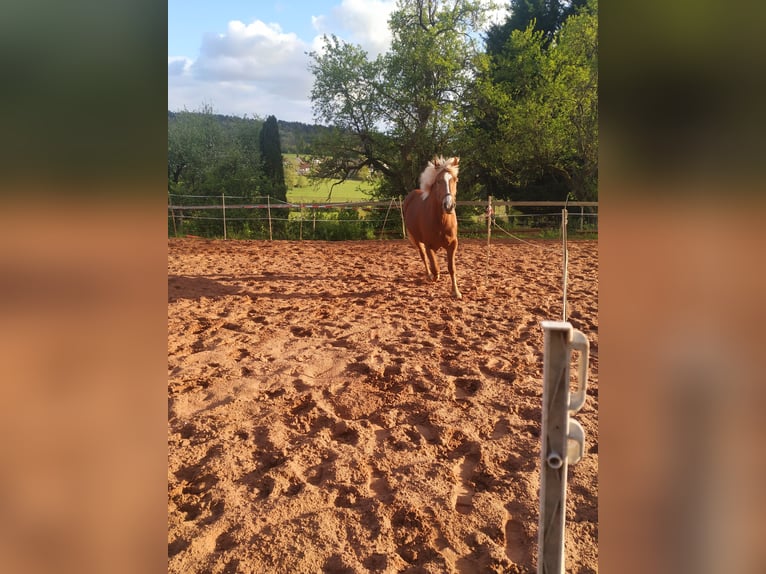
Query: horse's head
[445,187]
[440,180]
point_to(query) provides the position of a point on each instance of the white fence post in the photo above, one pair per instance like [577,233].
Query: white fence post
[563,440]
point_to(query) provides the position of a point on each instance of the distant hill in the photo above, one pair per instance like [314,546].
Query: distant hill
[295,137]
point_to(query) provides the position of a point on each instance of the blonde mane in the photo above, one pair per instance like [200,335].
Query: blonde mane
[436,165]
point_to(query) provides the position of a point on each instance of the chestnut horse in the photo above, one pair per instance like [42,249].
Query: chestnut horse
[429,215]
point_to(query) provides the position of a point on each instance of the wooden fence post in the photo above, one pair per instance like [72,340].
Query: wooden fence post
[385,219]
[268,208]
[173,216]
[223,205]
[489,214]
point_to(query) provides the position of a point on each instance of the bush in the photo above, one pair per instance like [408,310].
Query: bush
[329,225]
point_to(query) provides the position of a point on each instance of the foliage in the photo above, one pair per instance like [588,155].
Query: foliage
[341,224]
[395,112]
[534,113]
[271,155]
[546,16]
[207,158]
[523,115]
[210,154]
[299,138]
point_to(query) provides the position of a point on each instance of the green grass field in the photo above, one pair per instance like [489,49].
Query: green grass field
[305,190]
[349,190]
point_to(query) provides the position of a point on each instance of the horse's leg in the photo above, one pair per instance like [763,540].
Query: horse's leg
[451,251]
[434,263]
[423,257]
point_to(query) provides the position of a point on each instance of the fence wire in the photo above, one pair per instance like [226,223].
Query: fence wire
[273,219]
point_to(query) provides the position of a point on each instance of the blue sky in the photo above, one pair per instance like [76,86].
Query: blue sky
[190,20]
[248,57]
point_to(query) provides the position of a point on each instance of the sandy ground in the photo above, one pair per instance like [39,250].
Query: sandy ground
[329,410]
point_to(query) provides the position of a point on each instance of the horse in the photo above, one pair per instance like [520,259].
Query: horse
[429,216]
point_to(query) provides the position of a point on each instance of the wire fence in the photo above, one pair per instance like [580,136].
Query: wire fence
[266,218]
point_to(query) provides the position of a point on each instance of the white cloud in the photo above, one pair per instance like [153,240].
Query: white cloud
[260,69]
[253,52]
[178,65]
[367,20]
[319,23]
[363,22]
[239,99]
[249,69]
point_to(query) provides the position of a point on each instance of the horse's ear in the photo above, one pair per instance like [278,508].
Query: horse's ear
[455,160]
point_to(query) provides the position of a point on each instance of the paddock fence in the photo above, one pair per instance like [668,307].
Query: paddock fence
[266,218]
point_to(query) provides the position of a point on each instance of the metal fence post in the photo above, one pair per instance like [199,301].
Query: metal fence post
[563,440]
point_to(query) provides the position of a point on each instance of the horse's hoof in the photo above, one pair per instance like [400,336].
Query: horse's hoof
[458,295]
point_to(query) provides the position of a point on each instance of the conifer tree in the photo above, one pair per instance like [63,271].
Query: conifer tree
[271,155]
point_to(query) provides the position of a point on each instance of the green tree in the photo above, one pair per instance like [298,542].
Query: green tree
[271,157]
[547,16]
[394,113]
[532,120]
[196,144]
[572,74]
[363,173]
[291,174]
[210,155]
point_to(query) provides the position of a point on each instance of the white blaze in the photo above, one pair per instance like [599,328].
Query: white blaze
[448,199]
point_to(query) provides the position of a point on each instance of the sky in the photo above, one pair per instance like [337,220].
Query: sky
[249,57]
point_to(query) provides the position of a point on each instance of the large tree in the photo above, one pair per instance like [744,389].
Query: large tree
[209,157]
[532,118]
[395,112]
[271,156]
[547,16]
[195,142]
